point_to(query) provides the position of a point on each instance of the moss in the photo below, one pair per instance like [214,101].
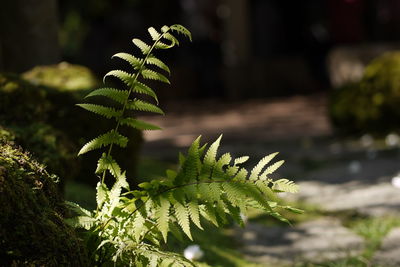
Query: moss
[32,230]
[49,124]
[373,104]
[63,76]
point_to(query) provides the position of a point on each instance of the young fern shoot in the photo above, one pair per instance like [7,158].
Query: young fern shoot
[126,99]
[130,225]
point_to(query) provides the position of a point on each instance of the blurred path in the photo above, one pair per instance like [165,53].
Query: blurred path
[255,120]
[339,176]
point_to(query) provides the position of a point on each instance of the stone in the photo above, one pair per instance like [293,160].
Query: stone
[313,241]
[389,253]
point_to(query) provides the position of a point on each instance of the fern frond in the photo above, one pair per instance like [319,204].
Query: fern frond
[132,60]
[112,137]
[241,160]
[106,162]
[211,154]
[161,45]
[101,110]
[144,89]
[145,48]
[153,75]
[255,172]
[101,194]
[182,216]
[193,208]
[154,33]
[137,104]
[77,209]
[119,96]
[182,30]
[285,185]
[272,169]
[162,217]
[156,62]
[125,77]
[171,38]
[138,124]
[85,222]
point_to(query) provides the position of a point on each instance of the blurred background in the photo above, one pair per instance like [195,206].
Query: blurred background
[318,81]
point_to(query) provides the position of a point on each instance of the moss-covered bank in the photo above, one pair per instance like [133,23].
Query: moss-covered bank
[32,230]
[39,108]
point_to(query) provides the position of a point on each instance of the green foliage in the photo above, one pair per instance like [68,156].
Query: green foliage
[373,103]
[129,226]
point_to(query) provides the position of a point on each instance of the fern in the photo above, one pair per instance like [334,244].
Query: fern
[132,224]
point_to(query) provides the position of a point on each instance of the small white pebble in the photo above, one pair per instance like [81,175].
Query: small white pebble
[396,181]
[193,252]
[354,167]
[366,140]
[392,140]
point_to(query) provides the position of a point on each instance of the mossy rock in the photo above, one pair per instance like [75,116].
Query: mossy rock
[63,76]
[373,104]
[49,124]
[32,229]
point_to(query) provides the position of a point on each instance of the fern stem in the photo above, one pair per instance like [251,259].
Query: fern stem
[130,92]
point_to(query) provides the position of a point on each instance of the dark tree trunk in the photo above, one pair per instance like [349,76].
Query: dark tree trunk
[28,34]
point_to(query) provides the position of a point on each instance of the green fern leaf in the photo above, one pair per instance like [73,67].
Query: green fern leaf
[182,30]
[165,29]
[112,137]
[156,62]
[78,209]
[144,89]
[241,175]
[153,75]
[182,216]
[193,208]
[162,217]
[119,96]
[208,212]
[214,191]
[108,163]
[266,190]
[154,33]
[84,222]
[132,60]
[271,169]
[255,172]
[101,110]
[161,45]
[285,185]
[210,158]
[235,193]
[221,212]
[137,104]
[138,124]
[101,194]
[138,226]
[125,77]
[171,38]
[145,48]
[241,160]
[235,213]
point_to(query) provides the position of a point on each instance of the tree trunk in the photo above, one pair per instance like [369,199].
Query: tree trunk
[28,34]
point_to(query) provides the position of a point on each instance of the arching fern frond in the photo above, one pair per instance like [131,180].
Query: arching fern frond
[117,95]
[102,110]
[132,60]
[153,75]
[112,137]
[137,104]
[138,124]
